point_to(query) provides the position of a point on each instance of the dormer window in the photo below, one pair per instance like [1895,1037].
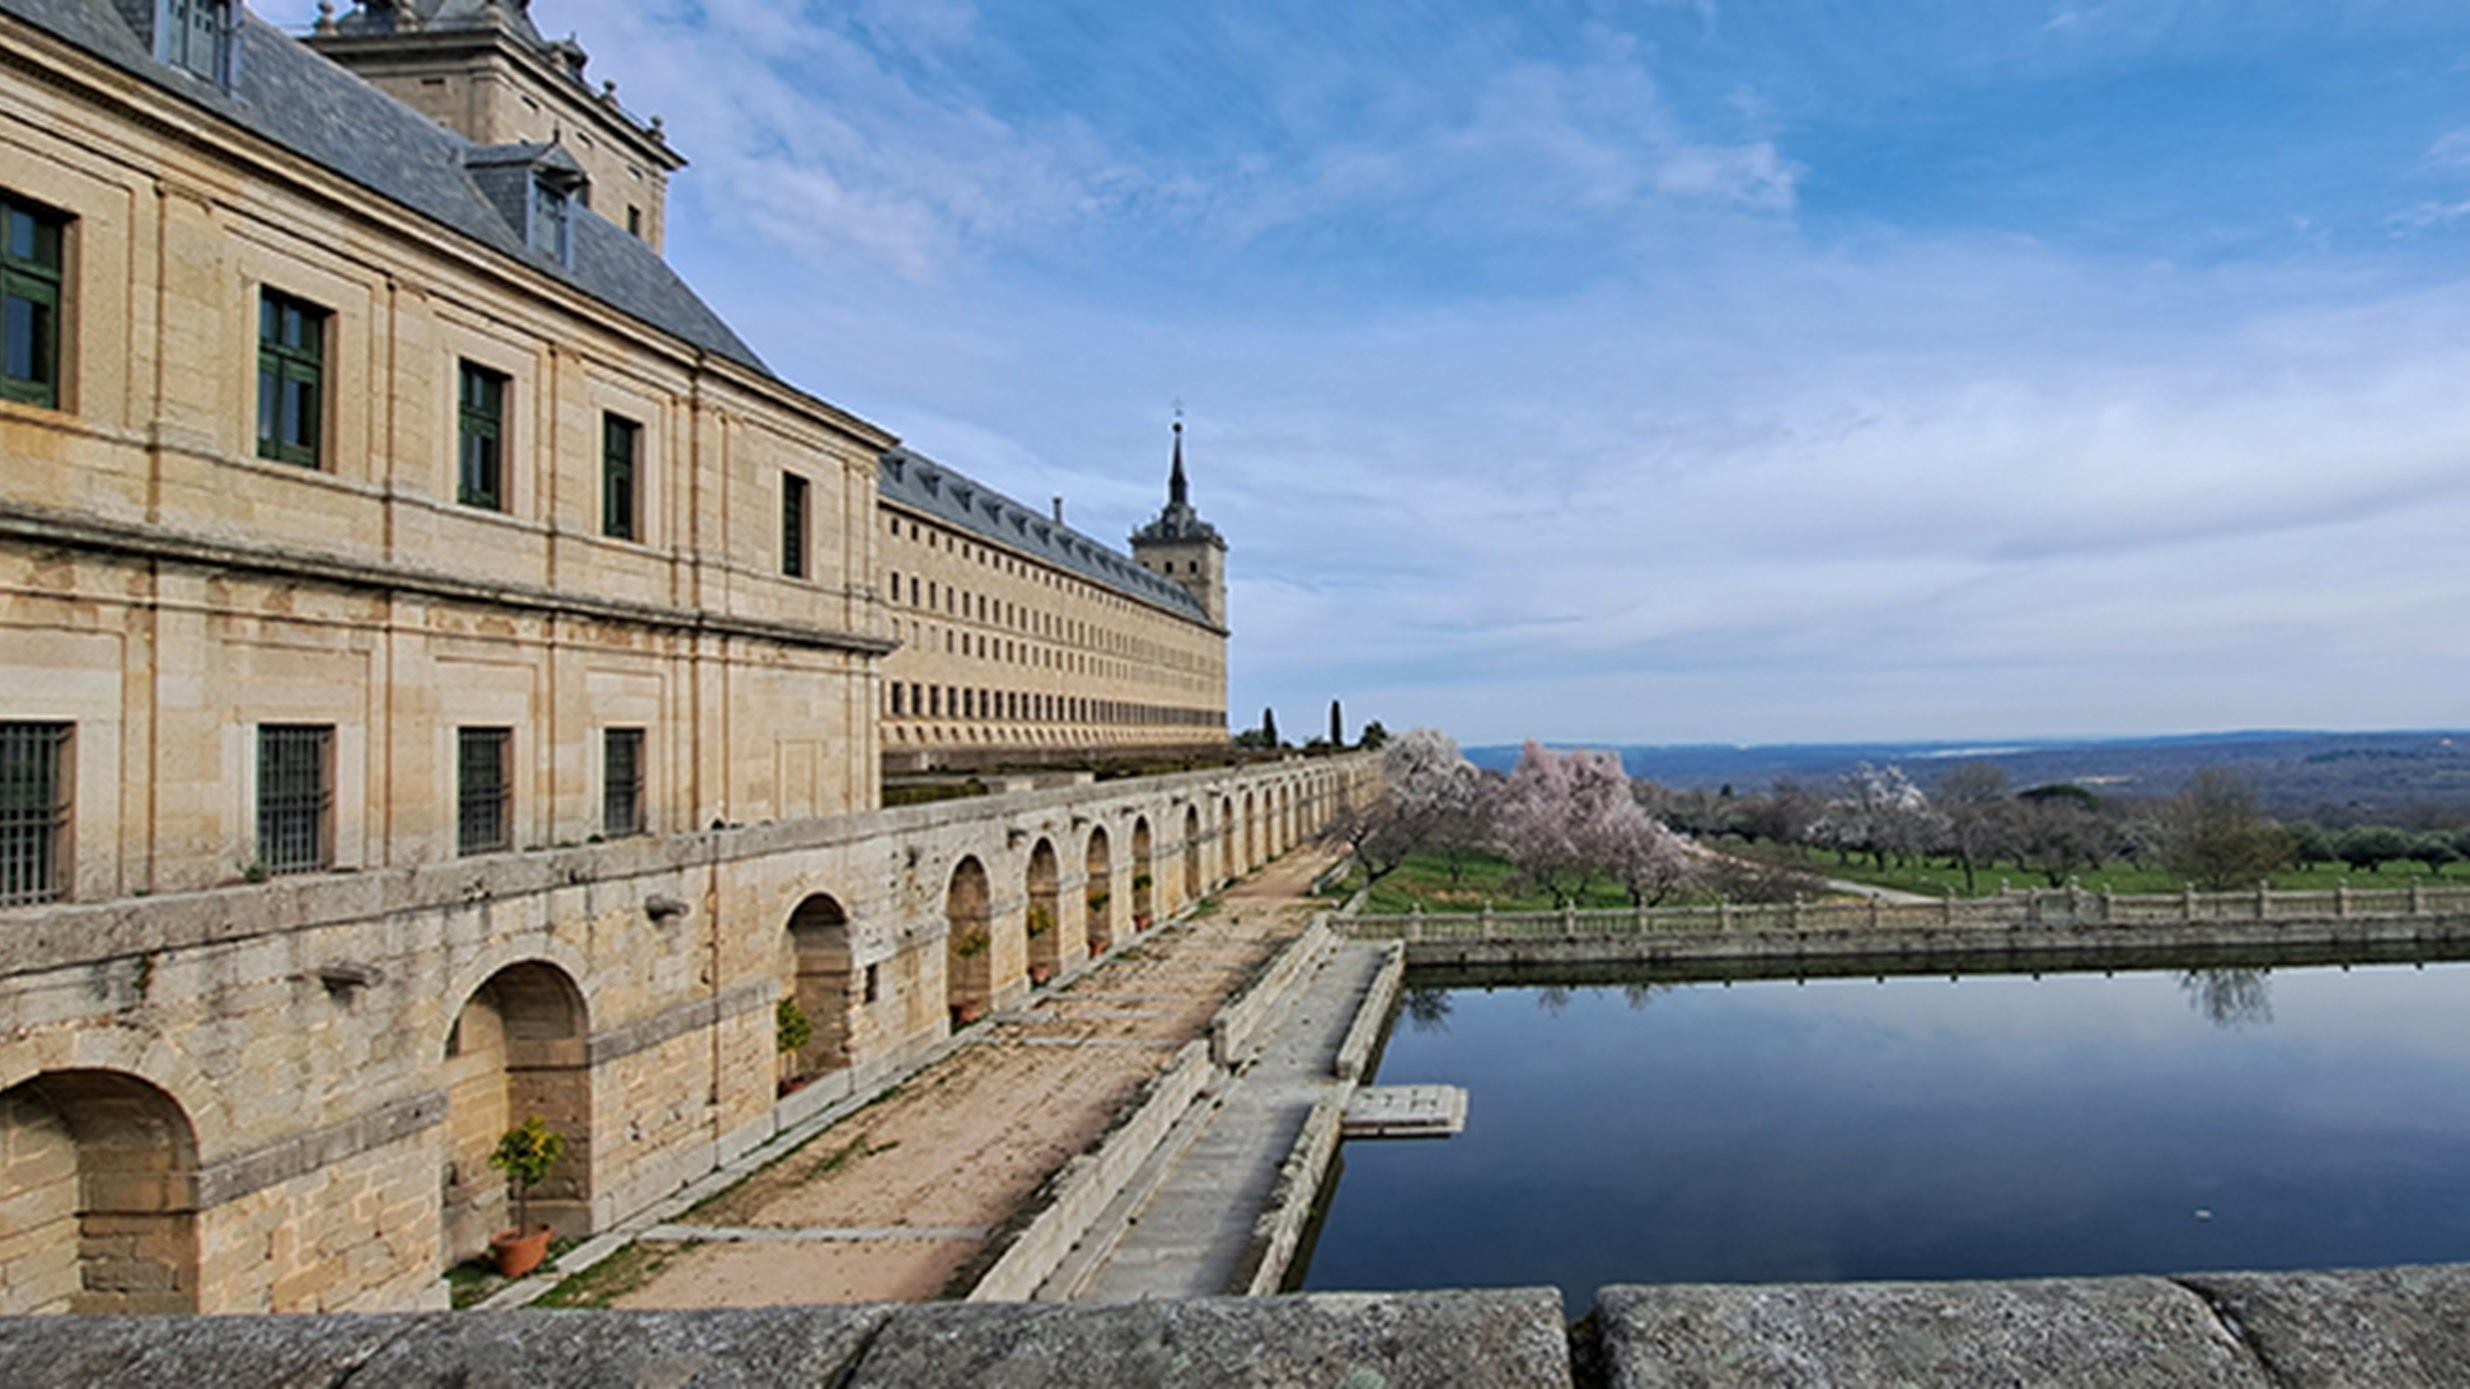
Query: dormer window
[196,36]
[553,201]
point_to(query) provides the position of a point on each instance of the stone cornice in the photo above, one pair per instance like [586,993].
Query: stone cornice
[41,526]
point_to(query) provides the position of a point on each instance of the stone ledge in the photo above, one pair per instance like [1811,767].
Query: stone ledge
[2404,1328]
[1513,1340]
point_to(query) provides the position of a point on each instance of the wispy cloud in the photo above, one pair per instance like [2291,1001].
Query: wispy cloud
[1609,372]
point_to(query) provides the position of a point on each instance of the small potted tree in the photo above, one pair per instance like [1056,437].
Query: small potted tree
[968,946]
[525,1155]
[1041,922]
[790,1033]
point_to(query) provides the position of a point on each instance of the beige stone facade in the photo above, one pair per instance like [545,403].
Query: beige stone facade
[1004,653]
[366,787]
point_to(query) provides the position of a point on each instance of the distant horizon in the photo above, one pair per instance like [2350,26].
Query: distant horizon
[1988,746]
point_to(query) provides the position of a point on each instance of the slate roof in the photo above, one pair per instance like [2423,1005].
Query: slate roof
[290,95]
[913,480]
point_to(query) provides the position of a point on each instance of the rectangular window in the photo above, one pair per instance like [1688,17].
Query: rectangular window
[291,376]
[295,797]
[484,810]
[793,525]
[634,221]
[621,445]
[30,284]
[197,37]
[480,396]
[551,207]
[34,811]
[621,790]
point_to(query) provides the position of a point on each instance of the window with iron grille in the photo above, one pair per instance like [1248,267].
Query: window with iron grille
[793,525]
[484,818]
[291,378]
[621,792]
[481,410]
[295,797]
[34,811]
[30,283]
[621,444]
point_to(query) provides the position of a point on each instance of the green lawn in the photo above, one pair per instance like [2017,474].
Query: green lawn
[1938,879]
[1425,881]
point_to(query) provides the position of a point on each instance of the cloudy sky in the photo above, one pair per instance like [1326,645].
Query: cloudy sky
[1656,370]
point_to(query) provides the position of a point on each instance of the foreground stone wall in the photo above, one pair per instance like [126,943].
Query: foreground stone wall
[280,1097]
[2390,1329]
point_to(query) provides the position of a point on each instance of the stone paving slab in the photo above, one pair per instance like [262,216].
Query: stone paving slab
[1406,1111]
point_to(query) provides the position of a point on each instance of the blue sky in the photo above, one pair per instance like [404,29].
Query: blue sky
[1656,370]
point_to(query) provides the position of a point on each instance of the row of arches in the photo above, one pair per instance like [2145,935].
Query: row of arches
[99,1168]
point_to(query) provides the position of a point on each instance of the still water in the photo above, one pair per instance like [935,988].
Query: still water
[1989,1127]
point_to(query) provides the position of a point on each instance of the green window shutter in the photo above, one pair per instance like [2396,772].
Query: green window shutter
[481,463]
[291,380]
[30,293]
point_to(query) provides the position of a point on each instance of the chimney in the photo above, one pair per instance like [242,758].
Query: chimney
[1059,511]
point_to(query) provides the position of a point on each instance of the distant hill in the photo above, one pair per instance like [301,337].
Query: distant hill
[2335,778]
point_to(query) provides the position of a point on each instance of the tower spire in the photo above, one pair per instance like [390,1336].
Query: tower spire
[1178,490]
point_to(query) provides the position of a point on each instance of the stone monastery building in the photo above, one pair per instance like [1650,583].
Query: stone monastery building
[445,676]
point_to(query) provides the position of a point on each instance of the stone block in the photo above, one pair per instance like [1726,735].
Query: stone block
[190,1353]
[568,1350]
[2111,1333]
[2393,1328]
[1502,1340]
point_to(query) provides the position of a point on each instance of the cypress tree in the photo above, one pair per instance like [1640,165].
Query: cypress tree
[1337,725]
[1269,727]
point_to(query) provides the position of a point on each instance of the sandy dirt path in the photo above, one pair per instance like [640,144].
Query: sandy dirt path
[892,1202]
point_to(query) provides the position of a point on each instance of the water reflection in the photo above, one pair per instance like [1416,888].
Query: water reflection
[1641,1130]
[2230,997]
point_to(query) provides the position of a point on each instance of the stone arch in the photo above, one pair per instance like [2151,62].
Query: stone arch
[1228,865]
[1098,863]
[1252,831]
[1193,849]
[969,946]
[98,1173]
[820,979]
[1045,883]
[1144,876]
[518,1047]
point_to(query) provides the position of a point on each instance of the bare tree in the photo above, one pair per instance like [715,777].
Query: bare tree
[1973,797]
[2213,836]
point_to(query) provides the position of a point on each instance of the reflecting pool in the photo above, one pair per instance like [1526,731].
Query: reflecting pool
[1993,1126]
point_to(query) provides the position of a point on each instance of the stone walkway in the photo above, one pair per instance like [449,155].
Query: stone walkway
[896,1201]
[1183,1227]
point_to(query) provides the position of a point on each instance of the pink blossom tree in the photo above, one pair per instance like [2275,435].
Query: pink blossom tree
[1565,818]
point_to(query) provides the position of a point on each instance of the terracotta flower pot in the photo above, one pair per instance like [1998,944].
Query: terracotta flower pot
[964,1014]
[1041,974]
[518,1253]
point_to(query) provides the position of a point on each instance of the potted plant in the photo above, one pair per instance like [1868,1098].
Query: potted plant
[790,1033]
[1041,920]
[972,943]
[525,1155]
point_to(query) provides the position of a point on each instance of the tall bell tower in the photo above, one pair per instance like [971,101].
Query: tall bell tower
[1181,547]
